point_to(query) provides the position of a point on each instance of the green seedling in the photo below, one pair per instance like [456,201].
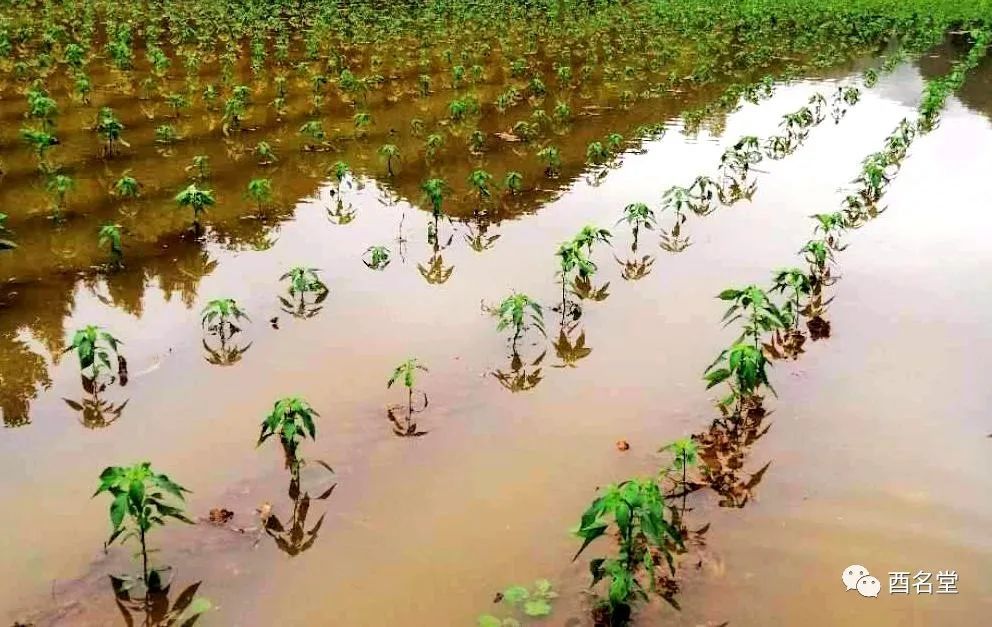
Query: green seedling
[292,420]
[198,200]
[142,501]
[518,312]
[109,237]
[634,511]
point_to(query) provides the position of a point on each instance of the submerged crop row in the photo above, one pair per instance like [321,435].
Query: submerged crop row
[306,81]
[320,89]
[635,510]
[132,124]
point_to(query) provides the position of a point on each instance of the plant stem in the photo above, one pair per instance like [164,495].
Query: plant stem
[144,558]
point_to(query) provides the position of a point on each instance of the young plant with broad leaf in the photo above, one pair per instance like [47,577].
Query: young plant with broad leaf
[142,501]
[518,312]
[292,419]
[634,511]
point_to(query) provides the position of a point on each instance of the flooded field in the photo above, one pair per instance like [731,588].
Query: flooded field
[422,502]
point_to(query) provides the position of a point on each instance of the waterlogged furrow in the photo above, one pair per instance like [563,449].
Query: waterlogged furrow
[325,49]
[733,182]
[650,532]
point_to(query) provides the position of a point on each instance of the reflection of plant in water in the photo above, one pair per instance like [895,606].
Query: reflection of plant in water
[635,269]
[477,238]
[736,162]
[96,412]
[700,197]
[376,257]
[583,288]
[184,275]
[723,450]
[306,292]
[403,425]
[156,607]
[779,146]
[435,272]
[199,168]
[341,214]
[5,244]
[815,312]
[20,384]
[518,378]
[142,500]
[292,536]
[219,319]
[535,603]
[634,511]
[568,351]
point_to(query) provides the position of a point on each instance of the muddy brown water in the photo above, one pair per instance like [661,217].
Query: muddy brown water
[876,452]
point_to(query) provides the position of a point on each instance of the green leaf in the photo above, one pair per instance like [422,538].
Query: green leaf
[136,492]
[589,534]
[620,586]
[716,377]
[514,595]
[542,586]
[117,510]
[487,620]
[537,607]
[199,606]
